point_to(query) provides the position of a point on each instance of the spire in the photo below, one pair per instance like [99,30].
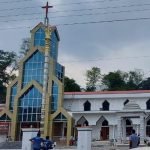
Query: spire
[46,17]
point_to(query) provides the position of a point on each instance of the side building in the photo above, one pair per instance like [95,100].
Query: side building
[24,103]
[111,114]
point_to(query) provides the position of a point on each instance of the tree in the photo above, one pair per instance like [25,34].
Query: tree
[25,47]
[93,77]
[7,61]
[134,79]
[70,85]
[114,80]
[145,84]
[119,80]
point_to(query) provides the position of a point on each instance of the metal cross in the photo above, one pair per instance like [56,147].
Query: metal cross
[47,7]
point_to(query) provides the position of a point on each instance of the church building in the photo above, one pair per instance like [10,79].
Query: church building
[36,99]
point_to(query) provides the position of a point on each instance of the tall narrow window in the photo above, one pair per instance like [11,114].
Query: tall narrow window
[105,105]
[148,128]
[87,106]
[39,37]
[129,127]
[148,105]
[12,96]
[54,102]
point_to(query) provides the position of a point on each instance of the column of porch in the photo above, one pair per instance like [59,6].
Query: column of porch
[142,129]
[119,131]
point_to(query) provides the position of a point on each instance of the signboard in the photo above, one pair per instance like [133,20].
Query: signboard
[4,127]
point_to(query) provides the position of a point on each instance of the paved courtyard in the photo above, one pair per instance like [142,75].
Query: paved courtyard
[95,146]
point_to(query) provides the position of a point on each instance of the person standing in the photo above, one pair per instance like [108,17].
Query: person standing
[36,142]
[133,140]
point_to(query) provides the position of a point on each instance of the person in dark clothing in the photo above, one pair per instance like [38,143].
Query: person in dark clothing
[36,142]
[133,140]
[48,144]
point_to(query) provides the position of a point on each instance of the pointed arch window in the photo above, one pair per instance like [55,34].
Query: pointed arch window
[105,123]
[60,117]
[82,122]
[148,105]
[39,37]
[126,102]
[87,106]
[105,105]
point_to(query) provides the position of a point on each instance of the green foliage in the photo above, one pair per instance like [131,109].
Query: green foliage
[7,61]
[145,84]
[119,80]
[25,47]
[114,80]
[70,85]
[93,77]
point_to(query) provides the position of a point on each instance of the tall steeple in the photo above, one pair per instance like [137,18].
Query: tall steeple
[46,66]
[46,16]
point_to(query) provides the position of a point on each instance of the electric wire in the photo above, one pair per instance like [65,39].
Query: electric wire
[83,9]
[80,15]
[83,23]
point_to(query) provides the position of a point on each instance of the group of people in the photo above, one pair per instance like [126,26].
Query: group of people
[39,143]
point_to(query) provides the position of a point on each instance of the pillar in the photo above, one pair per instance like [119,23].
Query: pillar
[142,129]
[84,138]
[28,133]
[119,131]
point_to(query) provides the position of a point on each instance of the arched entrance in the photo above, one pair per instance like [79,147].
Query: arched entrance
[104,134]
[129,127]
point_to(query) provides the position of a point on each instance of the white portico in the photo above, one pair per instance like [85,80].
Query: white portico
[111,114]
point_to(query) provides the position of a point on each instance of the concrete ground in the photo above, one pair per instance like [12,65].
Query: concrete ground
[98,145]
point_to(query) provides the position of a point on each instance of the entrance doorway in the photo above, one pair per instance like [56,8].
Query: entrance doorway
[104,134]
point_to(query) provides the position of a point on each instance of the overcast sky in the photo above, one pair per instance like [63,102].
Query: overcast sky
[110,46]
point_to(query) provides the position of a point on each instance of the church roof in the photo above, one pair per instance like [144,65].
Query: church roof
[108,92]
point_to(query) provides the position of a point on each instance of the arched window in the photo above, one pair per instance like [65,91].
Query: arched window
[86,123]
[148,105]
[105,123]
[87,106]
[105,105]
[127,101]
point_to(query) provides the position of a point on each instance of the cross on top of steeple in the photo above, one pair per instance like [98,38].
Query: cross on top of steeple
[46,17]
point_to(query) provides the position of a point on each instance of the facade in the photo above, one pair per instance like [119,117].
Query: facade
[35,97]
[111,114]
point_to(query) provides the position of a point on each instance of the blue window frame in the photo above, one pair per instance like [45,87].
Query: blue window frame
[60,117]
[30,106]
[59,71]
[54,46]
[39,38]
[12,97]
[34,68]
[54,101]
